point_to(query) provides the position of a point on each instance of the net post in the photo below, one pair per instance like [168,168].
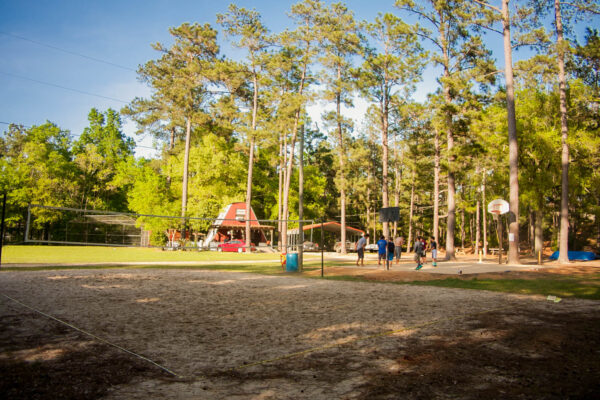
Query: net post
[2,227]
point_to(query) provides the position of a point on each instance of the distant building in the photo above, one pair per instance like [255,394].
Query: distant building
[231,224]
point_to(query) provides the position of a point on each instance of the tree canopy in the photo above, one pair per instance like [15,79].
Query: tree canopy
[228,127]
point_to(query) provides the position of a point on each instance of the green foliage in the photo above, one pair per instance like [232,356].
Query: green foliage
[98,155]
[260,104]
[37,167]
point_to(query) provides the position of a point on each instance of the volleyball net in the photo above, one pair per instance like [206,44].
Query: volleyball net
[72,226]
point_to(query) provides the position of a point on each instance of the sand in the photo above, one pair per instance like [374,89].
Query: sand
[228,335]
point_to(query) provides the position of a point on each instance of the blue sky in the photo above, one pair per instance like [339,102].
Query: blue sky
[33,76]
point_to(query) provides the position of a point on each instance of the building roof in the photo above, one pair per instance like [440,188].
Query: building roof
[330,226]
[234,216]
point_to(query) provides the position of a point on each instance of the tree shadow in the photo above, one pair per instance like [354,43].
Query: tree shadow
[41,359]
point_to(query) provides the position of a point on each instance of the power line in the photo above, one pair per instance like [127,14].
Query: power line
[62,87]
[76,136]
[67,51]
[11,123]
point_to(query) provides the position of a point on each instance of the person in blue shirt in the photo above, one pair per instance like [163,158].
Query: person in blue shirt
[381,245]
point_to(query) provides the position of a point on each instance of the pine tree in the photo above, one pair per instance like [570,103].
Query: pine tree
[388,76]
[460,52]
[247,27]
[340,43]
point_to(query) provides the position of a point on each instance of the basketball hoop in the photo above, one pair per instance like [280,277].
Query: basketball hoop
[498,207]
[496,210]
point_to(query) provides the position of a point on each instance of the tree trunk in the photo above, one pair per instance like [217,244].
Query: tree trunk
[410,212]
[186,160]
[462,228]
[513,150]
[563,246]
[385,156]
[531,232]
[290,165]
[300,199]
[477,228]
[172,139]
[368,211]
[338,101]
[471,230]
[451,219]
[280,191]
[485,223]
[248,232]
[539,231]
[436,187]
[397,177]
[248,235]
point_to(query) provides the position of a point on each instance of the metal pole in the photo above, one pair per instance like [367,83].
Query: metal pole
[499,239]
[387,257]
[2,227]
[322,250]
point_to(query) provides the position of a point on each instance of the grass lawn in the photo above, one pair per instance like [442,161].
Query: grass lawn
[101,254]
[584,287]
[564,287]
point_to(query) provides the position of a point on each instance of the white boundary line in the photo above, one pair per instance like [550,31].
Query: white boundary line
[94,336]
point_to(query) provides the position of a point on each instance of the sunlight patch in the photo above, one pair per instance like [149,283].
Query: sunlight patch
[290,287]
[148,300]
[34,355]
[223,282]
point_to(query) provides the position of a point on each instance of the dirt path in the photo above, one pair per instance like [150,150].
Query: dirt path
[244,336]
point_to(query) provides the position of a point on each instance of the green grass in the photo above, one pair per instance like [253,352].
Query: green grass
[581,288]
[585,288]
[265,268]
[100,254]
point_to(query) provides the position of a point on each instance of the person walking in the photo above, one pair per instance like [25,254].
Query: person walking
[433,247]
[418,249]
[381,247]
[398,243]
[390,252]
[423,250]
[360,249]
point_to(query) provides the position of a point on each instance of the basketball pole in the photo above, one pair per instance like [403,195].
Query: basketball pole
[499,227]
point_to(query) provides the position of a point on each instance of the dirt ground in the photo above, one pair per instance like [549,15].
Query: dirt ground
[404,272]
[225,335]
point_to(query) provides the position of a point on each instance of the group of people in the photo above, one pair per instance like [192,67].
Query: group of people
[420,249]
[390,249]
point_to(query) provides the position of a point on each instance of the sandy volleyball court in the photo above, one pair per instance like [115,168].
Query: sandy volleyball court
[224,335]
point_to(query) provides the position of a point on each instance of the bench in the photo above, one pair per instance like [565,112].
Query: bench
[495,250]
[460,251]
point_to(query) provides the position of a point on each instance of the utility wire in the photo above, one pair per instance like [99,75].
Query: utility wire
[76,136]
[63,87]
[67,51]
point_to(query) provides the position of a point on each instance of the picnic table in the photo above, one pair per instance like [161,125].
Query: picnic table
[495,250]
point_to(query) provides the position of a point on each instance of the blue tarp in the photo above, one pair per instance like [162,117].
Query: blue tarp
[576,256]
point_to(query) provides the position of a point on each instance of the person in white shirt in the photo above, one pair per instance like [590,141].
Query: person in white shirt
[360,249]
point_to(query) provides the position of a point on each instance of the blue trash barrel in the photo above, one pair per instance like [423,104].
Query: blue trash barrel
[291,263]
